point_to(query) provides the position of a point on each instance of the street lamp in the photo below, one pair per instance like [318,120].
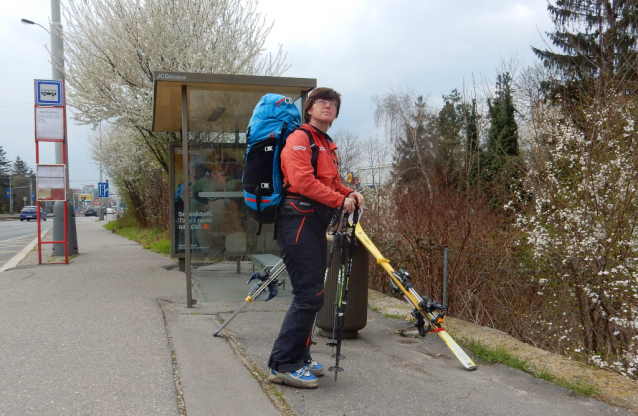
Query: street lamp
[29,22]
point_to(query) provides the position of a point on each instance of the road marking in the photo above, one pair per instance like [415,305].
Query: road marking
[22,237]
[18,257]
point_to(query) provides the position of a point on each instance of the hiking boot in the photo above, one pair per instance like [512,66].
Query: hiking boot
[301,378]
[315,368]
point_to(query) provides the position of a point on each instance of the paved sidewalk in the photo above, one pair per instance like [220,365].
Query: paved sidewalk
[89,338]
[109,334]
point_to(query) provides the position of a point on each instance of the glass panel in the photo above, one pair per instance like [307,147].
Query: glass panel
[224,112]
[220,224]
[225,247]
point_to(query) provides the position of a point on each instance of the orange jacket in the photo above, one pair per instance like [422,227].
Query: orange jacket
[326,188]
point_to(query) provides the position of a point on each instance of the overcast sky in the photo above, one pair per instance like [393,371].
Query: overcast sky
[358,47]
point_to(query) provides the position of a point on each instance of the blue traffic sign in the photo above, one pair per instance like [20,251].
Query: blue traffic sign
[103,189]
[49,93]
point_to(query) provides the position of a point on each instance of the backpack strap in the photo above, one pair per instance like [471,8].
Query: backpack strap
[258,189]
[313,148]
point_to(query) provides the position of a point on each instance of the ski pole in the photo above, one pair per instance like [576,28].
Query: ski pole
[270,277]
[333,221]
[342,288]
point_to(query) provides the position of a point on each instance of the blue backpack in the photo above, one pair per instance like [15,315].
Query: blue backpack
[274,118]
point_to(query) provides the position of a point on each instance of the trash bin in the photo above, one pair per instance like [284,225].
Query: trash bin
[356,316]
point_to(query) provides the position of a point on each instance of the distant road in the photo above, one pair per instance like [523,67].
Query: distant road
[16,234]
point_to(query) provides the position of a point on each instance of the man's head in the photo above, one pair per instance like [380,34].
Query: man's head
[326,96]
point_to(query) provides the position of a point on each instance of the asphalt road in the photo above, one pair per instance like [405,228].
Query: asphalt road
[16,234]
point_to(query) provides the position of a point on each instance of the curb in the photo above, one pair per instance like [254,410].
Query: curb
[22,254]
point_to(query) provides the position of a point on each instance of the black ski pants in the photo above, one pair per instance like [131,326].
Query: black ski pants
[302,241]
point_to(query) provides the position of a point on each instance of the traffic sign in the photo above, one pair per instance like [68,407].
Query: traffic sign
[103,189]
[97,201]
[49,92]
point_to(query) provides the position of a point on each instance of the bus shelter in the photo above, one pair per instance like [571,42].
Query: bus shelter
[212,234]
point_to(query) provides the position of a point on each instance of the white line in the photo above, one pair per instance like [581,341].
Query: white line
[18,257]
[22,237]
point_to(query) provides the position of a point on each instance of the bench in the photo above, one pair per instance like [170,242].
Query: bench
[266,261]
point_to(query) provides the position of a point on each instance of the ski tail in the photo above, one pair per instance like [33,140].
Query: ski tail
[425,317]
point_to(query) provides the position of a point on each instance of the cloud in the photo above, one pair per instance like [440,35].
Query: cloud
[360,48]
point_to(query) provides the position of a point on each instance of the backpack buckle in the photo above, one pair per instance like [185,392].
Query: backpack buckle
[269,148]
[265,185]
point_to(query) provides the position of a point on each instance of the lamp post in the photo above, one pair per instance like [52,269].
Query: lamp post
[29,22]
[61,152]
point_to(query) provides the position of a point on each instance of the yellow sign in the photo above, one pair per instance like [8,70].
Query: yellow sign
[349,177]
[85,197]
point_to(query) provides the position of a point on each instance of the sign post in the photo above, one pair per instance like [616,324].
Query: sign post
[51,179]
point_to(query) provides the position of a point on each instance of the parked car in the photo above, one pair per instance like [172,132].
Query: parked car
[110,210]
[31,212]
[90,212]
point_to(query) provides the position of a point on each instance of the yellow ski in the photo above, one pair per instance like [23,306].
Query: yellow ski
[421,306]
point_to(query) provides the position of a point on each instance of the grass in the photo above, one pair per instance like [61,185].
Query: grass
[152,239]
[387,315]
[488,355]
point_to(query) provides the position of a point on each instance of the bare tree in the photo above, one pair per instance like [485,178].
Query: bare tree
[349,144]
[134,172]
[375,161]
[403,114]
[113,46]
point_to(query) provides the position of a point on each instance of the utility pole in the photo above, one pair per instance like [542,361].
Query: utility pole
[100,207]
[10,196]
[57,70]
[61,151]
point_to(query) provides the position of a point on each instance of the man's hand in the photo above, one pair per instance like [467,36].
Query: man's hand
[357,197]
[348,204]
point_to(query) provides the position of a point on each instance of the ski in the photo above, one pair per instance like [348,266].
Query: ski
[266,281]
[424,309]
[346,242]
[335,219]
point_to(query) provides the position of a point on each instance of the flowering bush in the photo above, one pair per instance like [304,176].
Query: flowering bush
[582,229]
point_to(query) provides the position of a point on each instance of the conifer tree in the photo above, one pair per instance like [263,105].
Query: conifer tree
[503,134]
[472,144]
[597,37]
[20,168]
[5,168]
[450,125]
[471,131]
[498,168]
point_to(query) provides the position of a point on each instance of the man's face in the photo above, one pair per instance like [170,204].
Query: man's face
[222,162]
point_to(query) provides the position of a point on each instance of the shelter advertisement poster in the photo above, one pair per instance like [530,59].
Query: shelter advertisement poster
[217,211]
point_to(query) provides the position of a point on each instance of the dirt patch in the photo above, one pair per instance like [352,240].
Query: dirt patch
[614,389]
